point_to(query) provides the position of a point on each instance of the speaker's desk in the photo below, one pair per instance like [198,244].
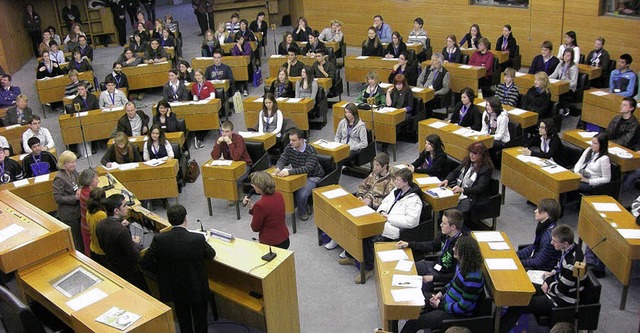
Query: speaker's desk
[531,180]
[332,217]
[268,139]
[220,181]
[617,252]
[525,81]
[239,65]
[287,186]
[626,164]
[276,61]
[52,89]
[599,106]
[138,141]
[198,115]
[523,117]
[13,134]
[323,82]
[456,139]
[97,125]
[339,151]
[461,76]
[145,76]
[37,191]
[296,109]
[148,182]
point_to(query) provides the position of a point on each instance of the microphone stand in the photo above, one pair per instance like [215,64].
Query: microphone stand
[84,139]
[275,46]
[371,101]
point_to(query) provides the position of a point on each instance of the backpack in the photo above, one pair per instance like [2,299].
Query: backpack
[193,171]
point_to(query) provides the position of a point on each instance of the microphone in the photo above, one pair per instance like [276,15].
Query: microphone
[248,196]
[110,185]
[201,227]
[130,195]
[269,256]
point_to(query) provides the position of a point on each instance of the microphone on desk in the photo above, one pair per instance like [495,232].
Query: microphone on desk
[130,195]
[248,196]
[110,185]
[201,227]
[269,256]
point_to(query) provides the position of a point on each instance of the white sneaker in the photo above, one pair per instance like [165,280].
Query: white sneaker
[245,93]
[195,141]
[331,245]
[343,254]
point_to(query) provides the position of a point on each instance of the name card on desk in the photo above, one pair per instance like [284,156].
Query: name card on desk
[554,80]
[501,264]
[386,109]
[361,211]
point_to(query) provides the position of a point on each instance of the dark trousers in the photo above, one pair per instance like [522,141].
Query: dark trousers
[205,21]
[36,39]
[76,233]
[151,11]
[540,304]
[432,318]
[99,258]
[187,310]
[425,267]
[121,28]
[132,11]
[367,244]
[284,245]
[348,162]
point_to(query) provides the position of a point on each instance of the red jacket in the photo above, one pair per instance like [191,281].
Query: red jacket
[236,151]
[269,219]
[205,92]
[485,60]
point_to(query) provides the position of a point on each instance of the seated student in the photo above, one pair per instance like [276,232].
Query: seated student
[138,43]
[293,66]
[546,144]
[282,87]
[382,30]
[78,63]
[372,46]
[38,162]
[624,129]
[242,47]
[508,92]
[129,58]
[594,166]
[4,145]
[35,130]
[378,184]
[155,54]
[306,87]
[483,57]
[460,296]
[148,25]
[10,170]
[353,132]
[507,43]
[55,53]
[333,33]
[432,160]
[623,80]
[495,121]
[322,68]
[472,38]
[436,77]
[570,43]
[313,46]
[221,34]
[599,57]
[268,214]
[157,146]
[402,208]
[112,97]
[72,88]
[164,118]
[84,101]
[302,158]
[287,43]
[396,47]
[85,49]
[465,113]
[270,118]
[201,88]
[133,122]
[175,90]
[545,61]
[20,113]
[53,34]
[245,32]
[120,152]
[399,95]
[8,93]
[538,97]
[233,26]
[472,178]
[70,42]
[209,44]
[231,146]
[442,269]
[559,286]
[451,52]
[219,71]
[118,76]
[302,31]
[419,35]
[406,68]
[47,67]
[166,40]
[567,70]
[372,90]
[185,72]
[541,255]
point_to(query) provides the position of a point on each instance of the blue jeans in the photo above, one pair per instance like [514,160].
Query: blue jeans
[630,179]
[302,195]
[592,259]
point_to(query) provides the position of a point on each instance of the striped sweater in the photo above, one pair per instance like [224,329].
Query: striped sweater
[462,293]
[562,284]
[508,95]
[305,161]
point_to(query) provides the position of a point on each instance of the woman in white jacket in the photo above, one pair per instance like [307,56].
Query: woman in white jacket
[495,121]
[567,70]
[594,165]
[352,131]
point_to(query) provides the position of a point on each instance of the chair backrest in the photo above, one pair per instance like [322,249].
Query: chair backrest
[453,163]
[583,81]
[464,59]
[570,154]
[177,151]
[327,163]
[593,288]
[17,316]
[582,58]
[181,124]
[515,133]
[258,156]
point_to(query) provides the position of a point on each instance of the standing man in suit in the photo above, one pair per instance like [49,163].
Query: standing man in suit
[177,256]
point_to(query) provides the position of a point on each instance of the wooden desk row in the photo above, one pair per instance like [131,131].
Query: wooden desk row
[599,106]
[297,111]
[456,144]
[149,182]
[239,65]
[51,90]
[525,118]
[324,82]
[416,47]
[13,134]
[146,76]
[138,141]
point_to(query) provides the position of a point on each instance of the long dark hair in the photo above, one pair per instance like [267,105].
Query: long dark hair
[436,143]
[478,148]
[274,108]
[573,36]
[603,140]
[162,138]
[95,201]
[550,127]
[496,107]
[163,103]
[469,256]
[308,71]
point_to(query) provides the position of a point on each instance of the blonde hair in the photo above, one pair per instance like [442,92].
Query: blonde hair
[67,156]
[336,22]
[544,80]
[263,181]
[121,138]
[373,75]
[72,72]
[510,71]
[22,96]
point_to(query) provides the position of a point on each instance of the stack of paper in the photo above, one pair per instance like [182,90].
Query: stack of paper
[620,152]
[258,100]
[392,255]
[438,124]
[440,192]
[118,318]
[328,144]
[465,66]
[385,85]
[155,162]
[518,74]
[482,104]
[41,178]
[416,89]
[466,132]
[362,57]
[554,169]
[536,276]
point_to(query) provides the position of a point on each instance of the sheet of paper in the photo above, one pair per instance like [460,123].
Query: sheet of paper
[361,211]
[501,264]
[133,139]
[488,236]
[417,90]
[392,255]
[128,166]
[465,66]
[22,156]
[385,109]
[499,246]
[554,80]
[404,265]
[482,104]
[258,100]
[328,144]
[385,85]
[294,100]
[9,232]
[600,93]
[406,281]
[587,135]
[277,56]
[362,57]
[248,134]
[335,193]
[21,182]
[428,180]
[536,276]
[438,124]
[467,132]
[154,162]
[606,207]
[82,114]
[210,58]
[554,169]
[408,295]
[517,112]
[12,126]
[118,318]
[620,152]
[630,233]
[114,165]
[86,299]
[518,74]
[41,178]
[390,59]
[221,162]
[440,192]
[280,99]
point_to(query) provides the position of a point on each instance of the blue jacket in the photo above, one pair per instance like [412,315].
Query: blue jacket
[540,255]
[625,82]
[8,96]
[384,33]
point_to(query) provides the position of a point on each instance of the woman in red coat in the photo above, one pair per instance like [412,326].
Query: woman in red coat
[268,212]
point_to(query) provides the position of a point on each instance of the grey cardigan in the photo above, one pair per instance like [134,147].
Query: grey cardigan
[65,196]
[358,137]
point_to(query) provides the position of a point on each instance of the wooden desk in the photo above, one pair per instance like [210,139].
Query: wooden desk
[531,182]
[500,55]
[461,76]
[69,99]
[287,186]
[599,110]
[19,158]
[390,310]
[332,217]
[148,182]
[356,68]
[324,82]
[138,141]
[338,154]
[456,145]
[97,125]
[276,61]
[526,119]
[13,134]
[525,81]
[239,65]
[425,93]
[226,47]
[616,252]
[297,111]
[267,139]
[198,115]
[591,71]
[626,164]
[218,84]
[508,287]
[39,194]
[437,204]
[238,270]
[146,76]
[34,282]
[52,89]
[417,47]
[221,182]
[334,45]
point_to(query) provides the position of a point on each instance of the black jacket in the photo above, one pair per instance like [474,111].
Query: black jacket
[286,90]
[479,191]
[555,147]
[625,133]
[170,123]
[125,126]
[473,117]
[182,94]
[91,103]
[439,165]
[120,251]
[511,45]
[538,102]
[368,49]
[456,56]
[395,53]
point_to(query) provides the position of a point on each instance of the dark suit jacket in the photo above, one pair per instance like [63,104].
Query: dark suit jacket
[11,118]
[479,192]
[170,123]
[125,126]
[177,256]
[92,103]
[181,95]
[473,117]
[121,252]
